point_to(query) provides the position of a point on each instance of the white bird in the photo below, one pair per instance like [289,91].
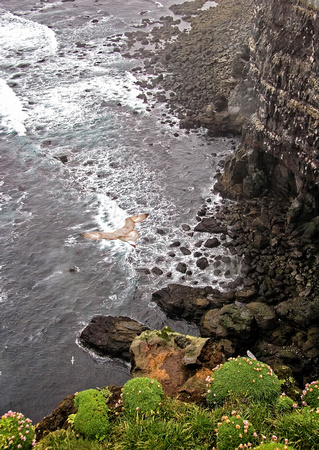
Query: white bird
[126,233]
[251,355]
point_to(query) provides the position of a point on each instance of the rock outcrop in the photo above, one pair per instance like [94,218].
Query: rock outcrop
[111,336]
[180,363]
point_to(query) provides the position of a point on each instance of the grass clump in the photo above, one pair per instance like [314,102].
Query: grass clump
[67,440]
[310,395]
[235,432]
[91,420]
[284,404]
[16,431]
[300,427]
[242,378]
[273,446]
[142,395]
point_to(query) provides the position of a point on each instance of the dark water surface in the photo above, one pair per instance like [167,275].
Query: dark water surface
[63,92]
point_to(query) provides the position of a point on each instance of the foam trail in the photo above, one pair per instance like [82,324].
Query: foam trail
[12,115]
[19,34]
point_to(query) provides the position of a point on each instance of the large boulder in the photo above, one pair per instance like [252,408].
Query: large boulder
[235,322]
[189,303]
[180,363]
[111,336]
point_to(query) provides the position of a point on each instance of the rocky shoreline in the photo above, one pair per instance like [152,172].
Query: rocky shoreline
[272,309]
[203,77]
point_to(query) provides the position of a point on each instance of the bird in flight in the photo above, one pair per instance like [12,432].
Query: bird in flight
[127,233]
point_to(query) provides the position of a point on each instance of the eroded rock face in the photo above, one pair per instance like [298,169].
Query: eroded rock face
[280,149]
[180,363]
[111,336]
[58,419]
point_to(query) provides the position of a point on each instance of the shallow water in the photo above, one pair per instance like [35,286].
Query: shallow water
[65,93]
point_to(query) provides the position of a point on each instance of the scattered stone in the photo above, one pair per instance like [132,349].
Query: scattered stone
[157,271]
[185,251]
[212,243]
[181,267]
[202,263]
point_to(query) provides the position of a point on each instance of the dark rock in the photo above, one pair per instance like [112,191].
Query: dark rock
[181,267]
[210,225]
[111,336]
[183,302]
[202,263]
[236,322]
[299,312]
[185,251]
[58,419]
[157,271]
[212,243]
[175,244]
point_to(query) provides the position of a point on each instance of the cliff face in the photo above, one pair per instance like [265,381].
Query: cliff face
[280,148]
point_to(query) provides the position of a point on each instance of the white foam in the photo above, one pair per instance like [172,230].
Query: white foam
[71,104]
[12,115]
[21,35]
[209,4]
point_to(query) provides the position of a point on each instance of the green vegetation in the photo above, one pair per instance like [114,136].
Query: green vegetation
[235,432]
[301,428]
[310,395]
[91,420]
[273,446]
[243,378]
[266,422]
[142,395]
[16,432]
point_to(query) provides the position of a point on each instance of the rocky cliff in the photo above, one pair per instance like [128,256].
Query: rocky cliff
[280,148]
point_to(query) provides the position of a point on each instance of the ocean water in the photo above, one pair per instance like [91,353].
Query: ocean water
[79,151]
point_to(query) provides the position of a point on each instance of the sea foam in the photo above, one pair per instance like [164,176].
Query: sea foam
[12,116]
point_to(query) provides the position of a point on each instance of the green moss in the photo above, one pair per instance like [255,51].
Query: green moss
[142,395]
[91,420]
[242,378]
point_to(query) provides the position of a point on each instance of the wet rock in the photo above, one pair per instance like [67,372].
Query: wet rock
[184,302]
[175,244]
[181,267]
[202,263]
[210,225]
[212,243]
[171,358]
[157,271]
[185,251]
[111,336]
